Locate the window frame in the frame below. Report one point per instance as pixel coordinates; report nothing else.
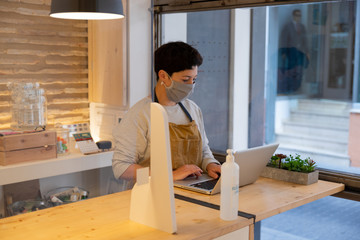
(351, 181)
(171, 6)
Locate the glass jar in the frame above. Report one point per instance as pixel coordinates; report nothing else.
(62, 140)
(29, 106)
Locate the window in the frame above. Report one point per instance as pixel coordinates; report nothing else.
(286, 74)
(301, 91)
(311, 60)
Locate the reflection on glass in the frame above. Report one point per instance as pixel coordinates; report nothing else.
(315, 49)
(293, 54)
(307, 74)
(314, 81)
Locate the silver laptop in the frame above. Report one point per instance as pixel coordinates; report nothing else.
(251, 162)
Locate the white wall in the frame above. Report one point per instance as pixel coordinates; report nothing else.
(241, 19)
(139, 49)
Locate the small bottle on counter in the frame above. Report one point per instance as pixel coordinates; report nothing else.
(84, 195)
(229, 194)
(62, 140)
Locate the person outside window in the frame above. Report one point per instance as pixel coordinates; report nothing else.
(293, 55)
(176, 67)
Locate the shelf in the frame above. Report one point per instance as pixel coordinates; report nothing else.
(75, 162)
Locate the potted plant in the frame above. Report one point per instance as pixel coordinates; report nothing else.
(291, 169)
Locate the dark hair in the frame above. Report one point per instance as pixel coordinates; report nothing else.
(175, 57)
(296, 11)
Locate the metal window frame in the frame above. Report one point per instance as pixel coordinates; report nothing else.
(171, 6)
(351, 181)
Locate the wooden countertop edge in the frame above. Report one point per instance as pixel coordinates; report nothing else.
(298, 203)
(218, 232)
(301, 194)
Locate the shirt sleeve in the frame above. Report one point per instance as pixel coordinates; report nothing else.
(131, 137)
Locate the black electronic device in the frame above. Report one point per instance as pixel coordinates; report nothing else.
(104, 145)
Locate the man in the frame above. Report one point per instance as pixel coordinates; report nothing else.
(293, 54)
(176, 67)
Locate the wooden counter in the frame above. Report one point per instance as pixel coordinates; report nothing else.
(267, 197)
(107, 217)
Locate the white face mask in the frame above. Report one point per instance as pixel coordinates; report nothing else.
(178, 91)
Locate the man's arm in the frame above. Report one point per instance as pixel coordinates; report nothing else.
(130, 172)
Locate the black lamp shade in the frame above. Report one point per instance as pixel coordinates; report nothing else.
(87, 9)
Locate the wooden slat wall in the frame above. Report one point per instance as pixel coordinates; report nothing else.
(37, 48)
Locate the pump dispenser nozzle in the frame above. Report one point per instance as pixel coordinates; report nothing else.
(230, 155)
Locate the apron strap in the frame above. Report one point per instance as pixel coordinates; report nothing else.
(155, 97)
(185, 111)
(180, 104)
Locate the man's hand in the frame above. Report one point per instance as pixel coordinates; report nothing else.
(213, 170)
(186, 170)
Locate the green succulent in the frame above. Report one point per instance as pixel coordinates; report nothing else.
(292, 163)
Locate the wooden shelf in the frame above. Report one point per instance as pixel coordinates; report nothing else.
(75, 162)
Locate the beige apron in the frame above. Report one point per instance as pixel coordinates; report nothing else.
(185, 144)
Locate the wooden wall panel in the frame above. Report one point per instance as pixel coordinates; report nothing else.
(107, 62)
(37, 48)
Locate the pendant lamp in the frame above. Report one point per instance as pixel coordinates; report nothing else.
(87, 9)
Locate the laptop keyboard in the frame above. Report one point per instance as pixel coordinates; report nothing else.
(208, 185)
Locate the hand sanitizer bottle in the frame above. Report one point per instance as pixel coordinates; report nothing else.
(229, 195)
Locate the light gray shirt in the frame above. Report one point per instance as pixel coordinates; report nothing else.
(132, 135)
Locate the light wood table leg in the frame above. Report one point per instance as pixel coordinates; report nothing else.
(251, 232)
